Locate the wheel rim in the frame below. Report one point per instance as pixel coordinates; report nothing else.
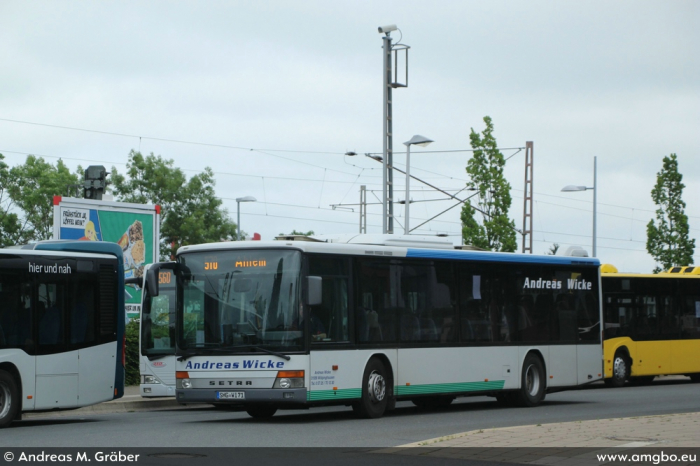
(5, 400)
(532, 380)
(376, 387)
(620, 368)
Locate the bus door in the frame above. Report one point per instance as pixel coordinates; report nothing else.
(328, 328)
(652, 355)
(57, 368)
(683, 328)
(92, 322)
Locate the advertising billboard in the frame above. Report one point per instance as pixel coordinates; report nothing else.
(135, 227)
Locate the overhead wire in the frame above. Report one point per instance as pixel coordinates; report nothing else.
(266, 152)
(326, 169)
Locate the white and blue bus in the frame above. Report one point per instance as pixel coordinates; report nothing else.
(157, 338)
(366, 321)
(61, 326)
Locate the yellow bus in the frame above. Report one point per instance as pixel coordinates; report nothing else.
(652, 324)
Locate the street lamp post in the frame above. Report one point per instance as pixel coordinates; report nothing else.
(238, 208)
(571, 188)
(416, 140)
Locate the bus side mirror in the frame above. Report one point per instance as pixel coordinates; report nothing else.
(314, 291)
(152, 280)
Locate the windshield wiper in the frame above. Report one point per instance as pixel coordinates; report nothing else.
(184, 354)
(154, 357)
(259, 348)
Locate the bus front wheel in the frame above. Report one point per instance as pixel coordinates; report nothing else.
(374, 391)
(621, 370)
(9, 399)
(533, 382)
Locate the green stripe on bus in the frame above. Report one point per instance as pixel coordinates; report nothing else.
(449, 387)
(349, 393)
(325, 395)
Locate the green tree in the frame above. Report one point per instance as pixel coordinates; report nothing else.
(496, 232)
(26, 198)
(553, 249)
(190, 211)
(667, 238)
(298, 233)
(10, 226)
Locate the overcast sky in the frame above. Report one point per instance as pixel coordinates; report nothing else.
(272, 94)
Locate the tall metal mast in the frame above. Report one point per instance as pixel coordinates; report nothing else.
(388, 142)
(527, 207)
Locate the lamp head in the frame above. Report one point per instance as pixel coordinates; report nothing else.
(571, 188)
(418, 140)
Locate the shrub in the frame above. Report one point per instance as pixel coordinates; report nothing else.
(133, 377)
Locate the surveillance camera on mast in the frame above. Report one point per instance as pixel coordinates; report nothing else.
(387, 29)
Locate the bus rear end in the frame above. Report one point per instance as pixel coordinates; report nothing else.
(112, 300)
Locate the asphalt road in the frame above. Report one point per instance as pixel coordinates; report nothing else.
(337, 426)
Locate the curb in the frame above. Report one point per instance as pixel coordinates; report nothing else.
(116, 406)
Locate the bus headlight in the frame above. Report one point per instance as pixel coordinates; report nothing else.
(149, 379)
(285, 383)
(289, 379)
(186, 383)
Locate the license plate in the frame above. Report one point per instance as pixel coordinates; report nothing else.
(230, 395)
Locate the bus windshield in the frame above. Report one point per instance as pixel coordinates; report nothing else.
(240, 301)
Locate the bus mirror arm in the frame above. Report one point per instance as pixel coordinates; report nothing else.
(133, 281)
(314, 291)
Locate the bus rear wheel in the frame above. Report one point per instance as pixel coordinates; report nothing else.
(621, 370)
(532, 383)
(9, 399)
(261, 412)
(375, 392)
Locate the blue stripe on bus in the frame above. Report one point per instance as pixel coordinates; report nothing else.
(499, 257)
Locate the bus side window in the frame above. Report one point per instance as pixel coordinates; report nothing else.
(567, 318)
(49, 324)
(333, 312)
(9, 318)
(372, 322)
(6, 318)
(82, 316)
(690, 322)
(409, 326)
(543, 310)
